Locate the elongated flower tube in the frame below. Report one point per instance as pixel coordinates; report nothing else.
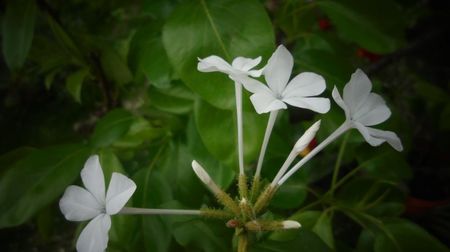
(299, 146)
(221, 196)
(240, 68)
(279, 91)
(362, 109)
(80, 204)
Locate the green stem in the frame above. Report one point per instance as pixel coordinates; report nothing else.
(242, 242)
(338, 162)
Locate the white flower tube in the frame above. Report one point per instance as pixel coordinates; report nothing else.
(299, 146)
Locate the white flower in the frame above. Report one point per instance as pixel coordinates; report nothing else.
(298, 92)
(79, 204)
(239, 67)
(363, 109)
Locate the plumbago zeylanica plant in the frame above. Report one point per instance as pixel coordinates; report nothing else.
(245, 212)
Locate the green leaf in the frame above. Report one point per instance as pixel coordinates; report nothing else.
(153, 190)
(360, 22)
(304, 240)
(385, 163)
(228, 29)
(149, 57)
(11, 157)
(17, 31)
(74, 82)
(315, 221)
(111, 127)
(198, 234)
(335, 69)
(115, 67)
(217, 129)
(220, 173)
(141, 130)
(408, 237)
(43, 176)
(324, 229)
(177, 99)
(291, 194)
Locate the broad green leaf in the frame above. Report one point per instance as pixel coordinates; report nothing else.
(17, 31)
(115, 67)
(230, 28)
(315, 221)
(177, 99)
(324, 229)
(43, 176)
(220, 173)
(303, 240)
(11, 157)
(176, 167)
(150, 59)
(360, 22)
(408, 237)
(384, 163)
(291, 194)
(335, 69)
(153, 190)
(111, 127)
(199, 234)
(217, 129)
(74, 83)
(141, 130)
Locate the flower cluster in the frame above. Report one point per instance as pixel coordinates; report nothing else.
(363, 109)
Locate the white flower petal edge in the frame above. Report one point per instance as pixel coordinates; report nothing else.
(363, 108)
(79, 204)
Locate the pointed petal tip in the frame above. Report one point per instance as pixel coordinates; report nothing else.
(307, 137)
(289, 224)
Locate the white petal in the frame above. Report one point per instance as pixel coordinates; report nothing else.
(245, 64)
(77, 204)
(214, 64)
(289, 224)
(357, 90)
(307, 137)
(338, 99)
(317, 104)
(255, 73)
(278, 69)
(119, 192)
(377, 115)
(389, 136)
(373, 111)
(265, 102)
(94, 237)
(366, 134)
(305, 84)
(201, 173)
(93, 180)
(252, 85)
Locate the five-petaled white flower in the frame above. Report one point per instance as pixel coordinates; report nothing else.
(79, 204)
(364, 108)
(239, 67)
(279, 90)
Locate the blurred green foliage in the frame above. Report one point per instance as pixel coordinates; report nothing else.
(119, 78)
